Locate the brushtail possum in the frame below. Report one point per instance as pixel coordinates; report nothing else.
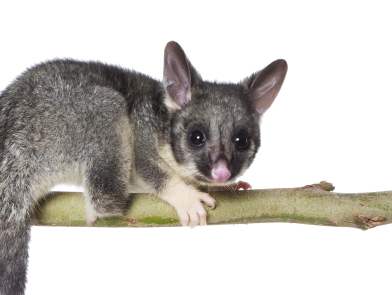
(113, 130)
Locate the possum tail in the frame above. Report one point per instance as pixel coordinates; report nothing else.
(15, 204)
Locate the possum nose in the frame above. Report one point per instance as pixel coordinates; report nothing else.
(220, 172)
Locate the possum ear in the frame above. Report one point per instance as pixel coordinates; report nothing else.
(178, 76)
(264, 86)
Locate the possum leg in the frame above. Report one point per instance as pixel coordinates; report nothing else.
(106, 188)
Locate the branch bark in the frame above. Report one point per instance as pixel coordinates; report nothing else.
(312, 204)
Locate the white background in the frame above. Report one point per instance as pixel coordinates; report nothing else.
(331, 121)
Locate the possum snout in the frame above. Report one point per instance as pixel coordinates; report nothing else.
(220, 172)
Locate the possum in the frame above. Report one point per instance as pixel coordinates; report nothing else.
(112, 131)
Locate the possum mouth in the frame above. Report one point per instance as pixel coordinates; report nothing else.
(204, 180)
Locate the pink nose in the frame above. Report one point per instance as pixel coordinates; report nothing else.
(220, 172)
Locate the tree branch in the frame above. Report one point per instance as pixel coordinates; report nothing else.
(312, 204)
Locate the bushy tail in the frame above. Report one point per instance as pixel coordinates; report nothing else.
(14, 238)
(15, 205)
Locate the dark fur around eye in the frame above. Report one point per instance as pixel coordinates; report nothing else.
(196, 138)
(241, 140)
(197, 135)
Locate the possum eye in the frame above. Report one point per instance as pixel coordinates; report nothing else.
(197, 138)
(241, 140)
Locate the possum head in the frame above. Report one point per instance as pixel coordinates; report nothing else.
(215, 126)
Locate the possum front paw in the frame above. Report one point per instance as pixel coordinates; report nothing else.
(240, 185)
(188, 203)
(190, 209)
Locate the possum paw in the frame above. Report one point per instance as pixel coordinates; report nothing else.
(241, 185)
(188, 203)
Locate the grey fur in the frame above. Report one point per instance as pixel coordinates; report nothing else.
(103, 127)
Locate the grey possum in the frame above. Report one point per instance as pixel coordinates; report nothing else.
(113, 130)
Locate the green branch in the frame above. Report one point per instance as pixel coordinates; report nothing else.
(312, 204)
